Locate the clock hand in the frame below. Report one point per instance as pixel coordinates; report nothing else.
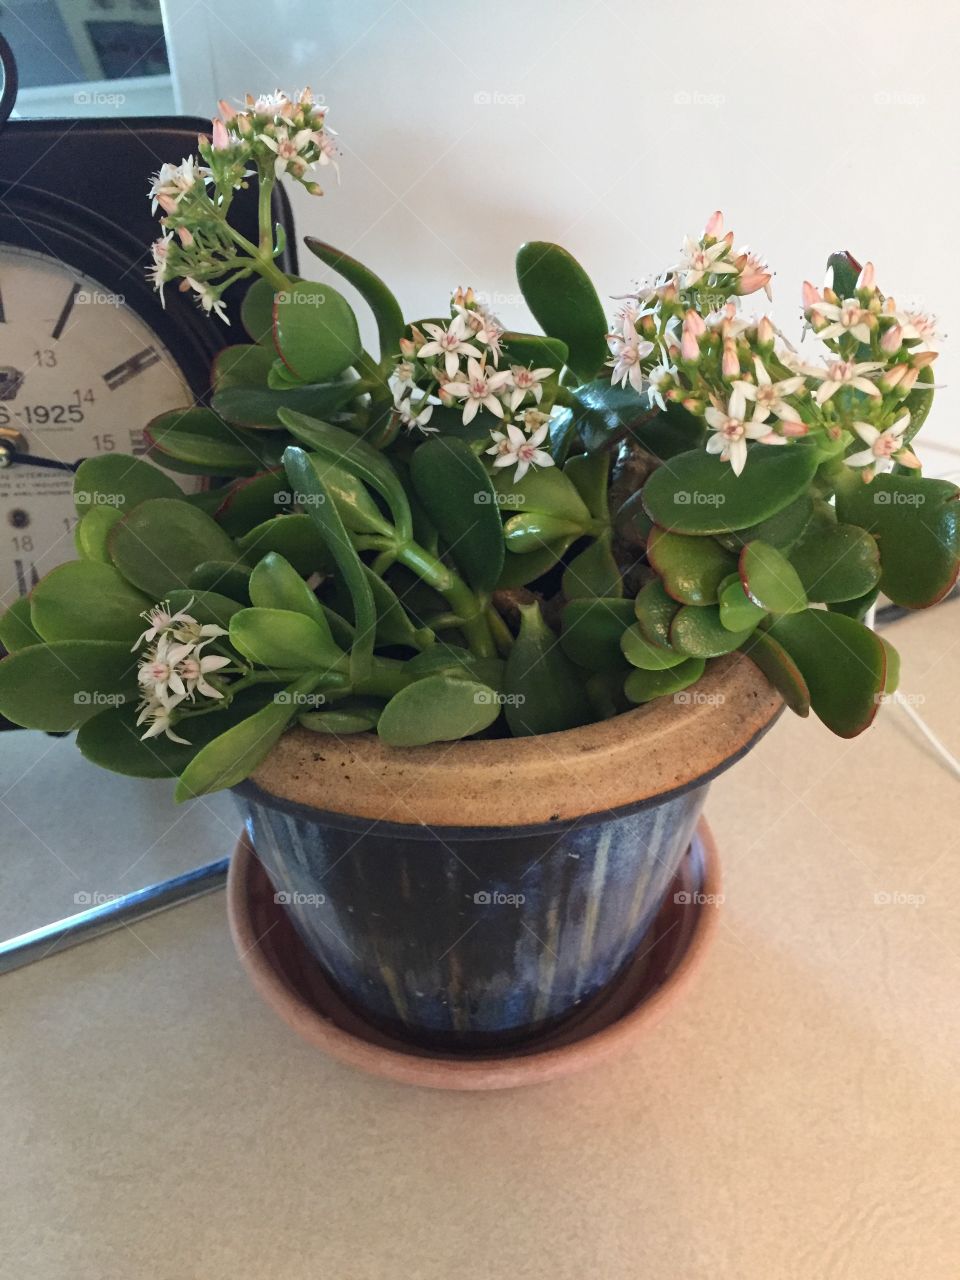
(10, 454)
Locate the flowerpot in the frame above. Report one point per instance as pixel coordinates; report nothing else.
(472, 897)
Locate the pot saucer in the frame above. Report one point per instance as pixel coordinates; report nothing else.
(293, 983)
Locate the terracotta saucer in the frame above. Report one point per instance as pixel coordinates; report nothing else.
(293, 983)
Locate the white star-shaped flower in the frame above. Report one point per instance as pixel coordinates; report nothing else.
(733, 431)
(514, 447)
(450, 343)
(698, 262)
(883, 448)
(845, 373)
(479, 390)
(769, 396)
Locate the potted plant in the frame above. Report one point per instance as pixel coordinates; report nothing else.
(470, 624)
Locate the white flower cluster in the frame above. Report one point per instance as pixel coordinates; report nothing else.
(681, 340)
(173, 668)
(459, 363)
(272, 136)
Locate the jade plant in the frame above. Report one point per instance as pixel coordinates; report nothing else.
(473, 531)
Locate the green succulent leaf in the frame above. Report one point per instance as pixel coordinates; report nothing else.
(546, 491)
(315, 331)
(283, 640)
(349, 453)
(260, 406)
(438, 708)
(353, 715)
(590, 473)
(697, 632)
(244, 366)
(256, 312)
(275, 584)
(594, 572)
(222, 577)
(737, 611)
(843, 663)
(247, 502)
(58, 686)
(112, 484)
(845, 270)
(534, 530)
(200, 438)
(91, 532)
(780, 669)
(233, 756)
(836, 563)
(85, 600)
(205, 606)
(456, 492)
(644, 686)
(533, 349)
(691, 569)
(591, 631)
(323, 512)
(639, 651)
(158, 544)
(521, 568)
(113, 740)
(770, 580)
(385, 307)
(16, 629)
(544, 690)
(294, 537)
(564, 303)
(604, 413)
(782, 530)
(655, 611)
(916, 523)
(699, 494)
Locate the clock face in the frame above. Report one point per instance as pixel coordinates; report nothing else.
(80, 374)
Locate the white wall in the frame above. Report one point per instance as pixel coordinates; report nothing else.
(613, 128)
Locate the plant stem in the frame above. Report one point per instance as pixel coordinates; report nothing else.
(464, 603)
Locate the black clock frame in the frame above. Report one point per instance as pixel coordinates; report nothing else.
(77, 191)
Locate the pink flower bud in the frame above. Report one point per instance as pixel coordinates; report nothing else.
(794, 428)
(689, 347)
(729, 364)
(893, 377)
(892, 340)
(226, 110)
(693, 323)
(866, 278)
(908, 379)
(751, 281)
(186, 237)
(811, 296)
(407, 348)
(221, 139)
(765, 331)
(920, 359)
(714, 228)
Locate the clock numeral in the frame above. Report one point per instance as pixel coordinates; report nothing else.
(130, 368)
(45, 358)
(27, 576)
(105, 443)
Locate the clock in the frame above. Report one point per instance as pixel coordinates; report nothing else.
(88, 355)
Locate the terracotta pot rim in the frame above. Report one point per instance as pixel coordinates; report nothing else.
(608, 768)
(408, 1066)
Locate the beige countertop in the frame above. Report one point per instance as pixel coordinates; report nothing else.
(794, 1118)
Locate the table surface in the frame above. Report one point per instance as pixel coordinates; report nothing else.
(794, 1118)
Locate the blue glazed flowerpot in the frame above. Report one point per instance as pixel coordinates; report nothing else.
(471, 936)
